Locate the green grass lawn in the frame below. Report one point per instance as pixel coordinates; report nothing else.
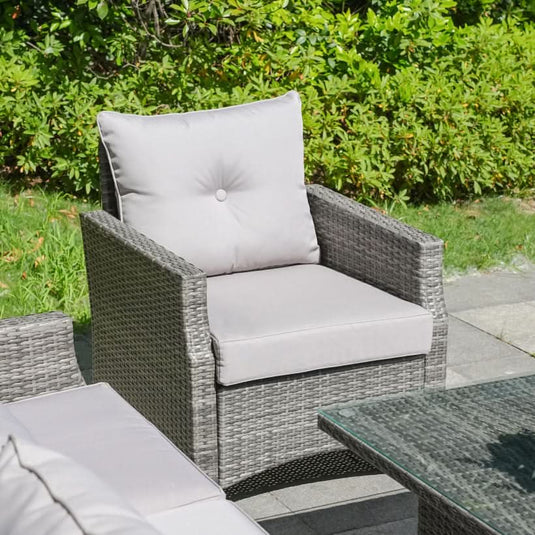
(42, 262)
(41, 258)
(481, 234)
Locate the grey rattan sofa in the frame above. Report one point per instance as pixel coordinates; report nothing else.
(151, 339)
(79, 459)
(37, 356)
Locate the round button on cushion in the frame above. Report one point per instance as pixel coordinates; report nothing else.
(220, 194)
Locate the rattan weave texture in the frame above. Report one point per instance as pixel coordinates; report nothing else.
(150, 333)
(37, 356)
(468, 453)
(151, 337)
(274, 420)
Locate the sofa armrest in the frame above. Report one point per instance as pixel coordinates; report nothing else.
(150, 331)
(37, 356)
(386, 253)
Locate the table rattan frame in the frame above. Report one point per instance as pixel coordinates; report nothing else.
(467, 453)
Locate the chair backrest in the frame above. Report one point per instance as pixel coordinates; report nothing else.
(222, 188)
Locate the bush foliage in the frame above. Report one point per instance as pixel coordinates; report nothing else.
(411, 99)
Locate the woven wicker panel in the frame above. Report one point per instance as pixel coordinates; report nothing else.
(267, 423)
(150, 334)
(37, 356)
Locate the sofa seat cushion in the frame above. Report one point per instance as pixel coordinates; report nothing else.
(10, 425)
(43, 492)
(99, 429)
(301, 318)
(210, 517)
(223, 188)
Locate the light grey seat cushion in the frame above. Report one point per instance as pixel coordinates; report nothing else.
(210, 517)
(300, 318)
(9, 425)
(96, 427)
(43, 492)
(223, 189)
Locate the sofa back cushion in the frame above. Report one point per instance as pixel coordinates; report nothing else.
(223, 188)
(43, 492)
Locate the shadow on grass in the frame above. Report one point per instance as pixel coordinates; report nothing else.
(82, 326)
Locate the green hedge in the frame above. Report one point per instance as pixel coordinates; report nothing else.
(412, 99)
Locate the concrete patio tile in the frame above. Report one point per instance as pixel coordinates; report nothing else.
(324, 493)
(287, 525)
(485, 289)
(454, 379)
(468, 344)
(408, 526)
(495, 369)
(512, 323)
(263, 506)
(361, 514)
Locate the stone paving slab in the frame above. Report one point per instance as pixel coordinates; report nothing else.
(321, 494)
(454, 379)
(491, 370)
(475, 356)
(408, 526)
(468, 344)
(287, 525)
(510, 323)
(394, 514)
(360, 514)
(488, 289)
(264, 506)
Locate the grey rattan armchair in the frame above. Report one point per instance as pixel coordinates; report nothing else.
(151, 338)
(37, 356)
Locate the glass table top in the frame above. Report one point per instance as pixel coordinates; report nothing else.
(475, 445)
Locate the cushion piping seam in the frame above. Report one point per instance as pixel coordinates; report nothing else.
(324, 367)
(214, 337)
(45, 485)
(115, 183)
(244, 104)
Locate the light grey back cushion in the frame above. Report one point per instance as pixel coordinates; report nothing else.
(42, 492)
(223, 188)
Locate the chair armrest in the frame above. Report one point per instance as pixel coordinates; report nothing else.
(151, 338)
(386, 253)
(37, 356)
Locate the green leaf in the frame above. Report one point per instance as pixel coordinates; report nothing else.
(102, 9)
